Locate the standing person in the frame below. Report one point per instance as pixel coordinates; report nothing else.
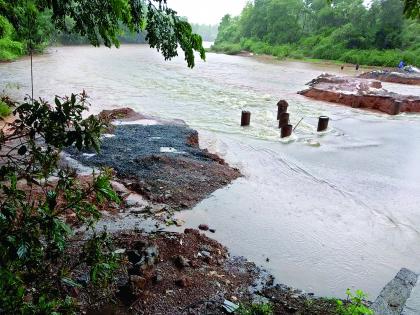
(401, 65)
(357, 67)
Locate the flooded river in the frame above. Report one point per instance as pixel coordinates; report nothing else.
(330, 211)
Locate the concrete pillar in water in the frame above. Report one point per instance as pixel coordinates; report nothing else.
(284, 119)
(245, 118)
(281, 108)
(286, 131)
(323, 123)
(397, 107)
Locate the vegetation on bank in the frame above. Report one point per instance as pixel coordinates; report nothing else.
(10, 48)
(344, 30)
(5, 110)
(38, 194)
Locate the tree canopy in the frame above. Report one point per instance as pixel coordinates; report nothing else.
(100, 21)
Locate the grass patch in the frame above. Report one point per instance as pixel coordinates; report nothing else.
(255, 309)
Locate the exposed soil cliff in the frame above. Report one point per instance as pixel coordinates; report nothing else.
(392, 76)
(360, 93)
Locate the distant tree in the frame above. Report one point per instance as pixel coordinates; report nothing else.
(412, 8)
(207, 31)
(389, 25)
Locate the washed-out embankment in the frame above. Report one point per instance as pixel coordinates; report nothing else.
(161, 161)
(360, 93)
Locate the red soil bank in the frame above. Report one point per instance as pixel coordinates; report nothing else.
(360, 93)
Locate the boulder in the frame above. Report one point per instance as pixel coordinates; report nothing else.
(392, 299)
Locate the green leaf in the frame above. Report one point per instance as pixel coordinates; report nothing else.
(71, 282)
(22, 251)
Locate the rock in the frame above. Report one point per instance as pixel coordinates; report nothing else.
(259, 299)
(205, 254)
(183, 282)
(157, 278)
(212, 230)
(138, 282)
(394, 295)
(181, 261)
(142, 257)
(120, 113)
(119, 188)
(83, 280)
(203, 227)
(206, 247)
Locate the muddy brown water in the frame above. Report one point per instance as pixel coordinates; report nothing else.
(333, 210)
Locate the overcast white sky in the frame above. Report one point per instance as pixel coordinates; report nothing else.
(206, 11)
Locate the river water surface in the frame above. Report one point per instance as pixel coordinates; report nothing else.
(330, 211)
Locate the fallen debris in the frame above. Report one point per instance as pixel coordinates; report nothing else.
(162, 162)
(203, 227)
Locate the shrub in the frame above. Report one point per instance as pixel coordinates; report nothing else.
(9, 49)
(355, 304)
(35, 269)
(255, 309)
(228, 48)
(4, 109)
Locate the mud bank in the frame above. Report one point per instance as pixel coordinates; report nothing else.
(360, 93)
(392, 76)
(158, 159)
(189, 273)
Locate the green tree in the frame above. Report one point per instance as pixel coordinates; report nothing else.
(389, 23)
(37, 271)
(345, 30)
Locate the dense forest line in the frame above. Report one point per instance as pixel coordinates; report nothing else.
(342, 30)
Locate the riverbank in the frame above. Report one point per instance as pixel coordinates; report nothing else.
(295, 202)
(169, 272)
(368, 58)
(360, 93)
(188, 272)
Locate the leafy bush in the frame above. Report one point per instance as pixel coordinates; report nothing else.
(35, 265)
(9, 49)
(4, 109)
(355, 304)
(230, 49)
